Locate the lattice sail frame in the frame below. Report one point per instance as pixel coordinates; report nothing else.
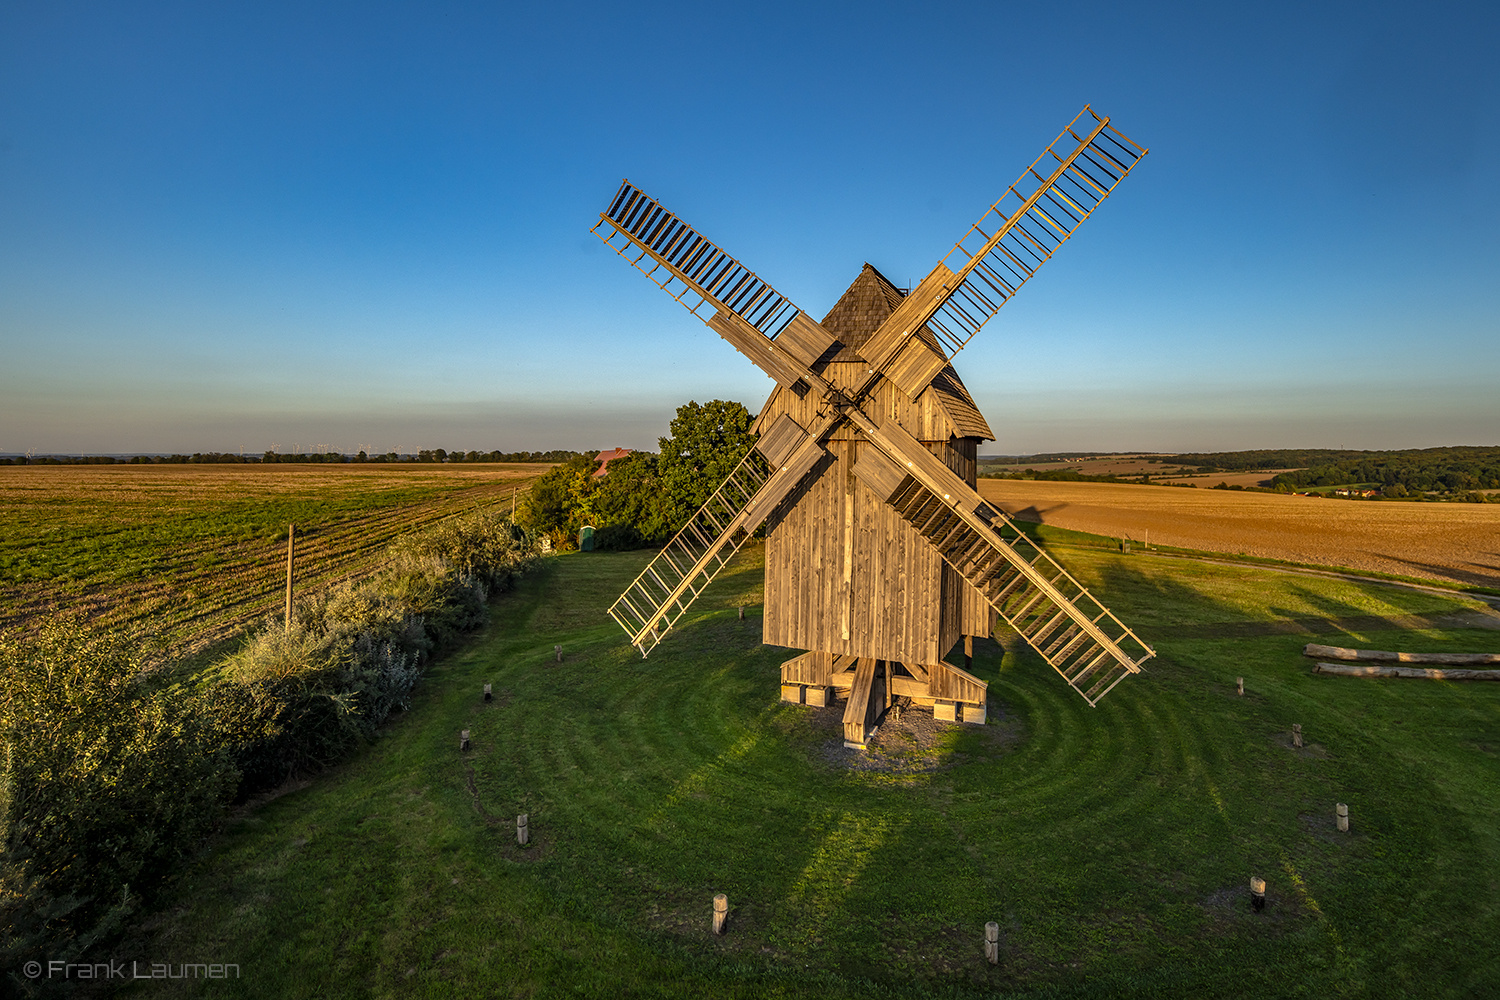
(1030, 221)
(688, 266)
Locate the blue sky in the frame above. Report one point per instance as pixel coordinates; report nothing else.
(229, 226)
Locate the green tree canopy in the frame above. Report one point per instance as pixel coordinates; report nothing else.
(708, 440)
(653, 495)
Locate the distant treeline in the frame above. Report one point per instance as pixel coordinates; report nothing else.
(1442, 469)
(1051, 456)
(1057, 475)
(1397, 473)
(215, 457)
(1252, 461)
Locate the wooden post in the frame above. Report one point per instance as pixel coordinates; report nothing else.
(523, 831)
(1257, 893)
(1241, 681)
(992, 943)
(968, 652)
(721, 912)
(742, 612)
(558, 651)
(1341, 813)
(291, 544)
(463, 740)
(487, 695)
(1296, 734)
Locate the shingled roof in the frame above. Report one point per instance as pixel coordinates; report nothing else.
(856, 316)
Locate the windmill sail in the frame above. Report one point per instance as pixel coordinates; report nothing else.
(758, 320)
(1018, 234)
(1081, 639)
(670, 583)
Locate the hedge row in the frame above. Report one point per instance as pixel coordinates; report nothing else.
(114, 767)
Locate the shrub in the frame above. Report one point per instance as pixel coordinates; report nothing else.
(618, 537)
(296, 699)
(110, 776)
(111, 773)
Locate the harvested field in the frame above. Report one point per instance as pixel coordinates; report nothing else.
(1448, 542)
(197, 552)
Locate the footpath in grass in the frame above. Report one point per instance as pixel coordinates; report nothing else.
(1113, 845)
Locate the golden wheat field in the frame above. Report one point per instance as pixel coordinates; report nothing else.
(1451, 542)
(197, 552)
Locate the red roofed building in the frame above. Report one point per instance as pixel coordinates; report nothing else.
(605, 457)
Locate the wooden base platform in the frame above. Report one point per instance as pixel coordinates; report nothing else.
(814, 678)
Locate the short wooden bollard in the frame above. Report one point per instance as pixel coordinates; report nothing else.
(1296, 734)
(523, 832)
(558, 651)
(1341, 814)
(487, 695)
(1241, 684)
(463, 739)
(721, 912)
(992, 943)
(742, 612)
(1257, 893)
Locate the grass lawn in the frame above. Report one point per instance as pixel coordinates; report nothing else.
(1114, 845)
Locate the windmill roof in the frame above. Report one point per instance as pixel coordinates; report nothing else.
(858, 314)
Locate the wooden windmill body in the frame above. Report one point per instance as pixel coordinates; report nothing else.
(880, 554)
(850, 580)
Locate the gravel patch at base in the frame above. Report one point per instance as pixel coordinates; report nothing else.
(908, 741)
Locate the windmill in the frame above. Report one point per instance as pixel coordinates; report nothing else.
(880, 554)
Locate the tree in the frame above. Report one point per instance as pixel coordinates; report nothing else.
(552, 507)
(708, 440)
(629, 495)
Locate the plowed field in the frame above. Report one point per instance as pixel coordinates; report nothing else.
(197, 552)
(1452, 542)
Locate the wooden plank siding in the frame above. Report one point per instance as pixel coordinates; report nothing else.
(846, 576)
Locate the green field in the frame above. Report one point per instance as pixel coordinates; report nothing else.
(196, 553)
(1112, 845)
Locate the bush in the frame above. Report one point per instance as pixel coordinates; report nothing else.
(653, 494)
(618, 538)
(296, 699)
(110, 777)
(111, 773)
